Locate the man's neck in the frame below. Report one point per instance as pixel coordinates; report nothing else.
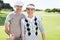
(17, 12)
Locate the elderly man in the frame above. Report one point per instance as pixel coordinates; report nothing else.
(12, 22)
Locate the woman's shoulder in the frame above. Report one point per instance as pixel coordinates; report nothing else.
(22, 20)
(38, 17)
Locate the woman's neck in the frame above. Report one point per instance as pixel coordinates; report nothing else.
(30, 16)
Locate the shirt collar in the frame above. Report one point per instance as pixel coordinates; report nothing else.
(14, 13)
(30, 19)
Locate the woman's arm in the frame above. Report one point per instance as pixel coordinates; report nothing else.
(22, 27)
(41, 29)
(43, 36)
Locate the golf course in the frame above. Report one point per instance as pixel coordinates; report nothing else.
(50, 21)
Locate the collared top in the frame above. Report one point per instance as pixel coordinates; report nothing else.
(29, 29)
(14, 23)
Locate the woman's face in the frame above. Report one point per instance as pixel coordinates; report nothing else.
(30, 11)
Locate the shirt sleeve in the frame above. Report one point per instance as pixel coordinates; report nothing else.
(40, 25)
(7, 21)
(23, 15)
(22, 26)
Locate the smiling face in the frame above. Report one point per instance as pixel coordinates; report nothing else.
(30, 9)
(18, 8)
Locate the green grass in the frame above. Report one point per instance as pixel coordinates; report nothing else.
(52, 27)
(3, 35)
(3, 15)
(51, 23)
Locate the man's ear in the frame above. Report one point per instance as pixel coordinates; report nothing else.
(34, 9)
(14, 6)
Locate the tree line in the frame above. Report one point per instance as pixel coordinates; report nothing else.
(53, 10)
(7, 6)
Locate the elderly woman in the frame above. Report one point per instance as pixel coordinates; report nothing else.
(30, 25)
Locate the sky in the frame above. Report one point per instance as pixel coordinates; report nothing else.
(40, 4)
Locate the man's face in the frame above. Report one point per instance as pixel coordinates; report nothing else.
(18, 8)
(30, 11)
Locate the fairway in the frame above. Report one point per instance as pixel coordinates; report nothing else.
(51, 23)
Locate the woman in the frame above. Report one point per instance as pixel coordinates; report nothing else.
(30, 25)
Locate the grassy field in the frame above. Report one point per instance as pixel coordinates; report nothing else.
(51, 23)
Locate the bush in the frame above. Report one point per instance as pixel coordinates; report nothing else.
(52, 10)
(48, 10)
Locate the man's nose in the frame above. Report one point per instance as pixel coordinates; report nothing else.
(30, 10)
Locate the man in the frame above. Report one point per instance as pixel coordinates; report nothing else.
(12, 22)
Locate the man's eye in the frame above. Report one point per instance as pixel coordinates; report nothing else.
(27, 9)
(32, 9)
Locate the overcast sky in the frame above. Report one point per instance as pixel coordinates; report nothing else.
(40, 4)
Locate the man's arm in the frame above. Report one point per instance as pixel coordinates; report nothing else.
(12, 37)
(6, 29)
(6, 25)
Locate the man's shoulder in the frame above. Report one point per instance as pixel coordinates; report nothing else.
(11, 13)
(23, 15)
(23, 20)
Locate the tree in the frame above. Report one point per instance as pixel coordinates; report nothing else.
(48, 10)
(1, 4)
(55, 10)
(37, 10)
(7, 6)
